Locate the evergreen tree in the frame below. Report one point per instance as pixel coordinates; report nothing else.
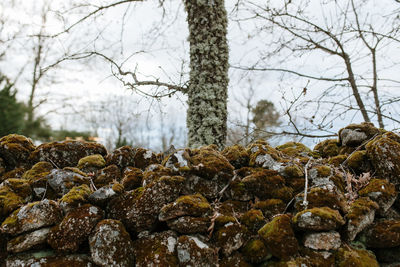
(12, 112)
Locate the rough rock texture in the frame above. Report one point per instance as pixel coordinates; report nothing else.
(202, 207)
(111, 245)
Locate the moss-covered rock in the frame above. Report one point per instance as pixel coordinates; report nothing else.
(322, 240)
(31, 217)
(354, 135)
(107, 175)
(192, 251)
(270, 207)
(267, 184)
(327, 148)
(75, 228)
(255, 251)
(380, 191)
(209, 163)
(132, 178)
(111, 245)
(189, 205)
(2, 167)
(230, 237)
(359, 162)
(47, 258)
(61, 181)
(31, 240)
(15, 173)
(122, 157)
(143, 158)
(253, 219)
(15, 150)
(294, 149)
(38, 171)
(348, 256)
(21, 187)
(234, 260)
(384, 153)
(157, 249)
(361, 214)
(66, 153)
(383, 234)
(208, 188)
(179, 161)
(77, 196)
(154, 172)
(190, 225)
(279, 237)
(91, 163)
(318, 219)
(322, 197)
(265, 156)
(237, 155)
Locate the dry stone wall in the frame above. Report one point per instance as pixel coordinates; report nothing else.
(73, 204)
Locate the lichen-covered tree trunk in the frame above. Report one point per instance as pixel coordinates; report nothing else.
(208, 85)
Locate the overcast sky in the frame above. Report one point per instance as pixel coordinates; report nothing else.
(124, 31)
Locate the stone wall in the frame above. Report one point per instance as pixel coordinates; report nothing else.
(73, 204)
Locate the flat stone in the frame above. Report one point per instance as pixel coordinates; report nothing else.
(27, 241)
(189, 225)
(111, 245)
(192, 251)
(322, 240)
(32, 216)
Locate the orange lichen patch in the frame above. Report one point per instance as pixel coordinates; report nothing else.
(279, 238)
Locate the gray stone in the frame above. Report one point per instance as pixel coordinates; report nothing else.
(322, 240)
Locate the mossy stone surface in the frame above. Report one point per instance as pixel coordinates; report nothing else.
(270, 207)
(255, 251)
(318, 219)
(66, 153)
(358, 161)
(190, 205)
(9, 201)
(354, 135)
(194, 251)
(383, 234)
(122, 157)
(294, 149)
(327, 148)
(78, 195)
(385, 157)
(190, 225)
(107, 175)
(15, 150)
(132, 178)
(91, 162)
(361, 214)
(237, 155)
(382, 192)
(65, 237)
(253, 219)
(279, 238)
(321, 197)
(348, 256)
(38, 171)
(111, 245)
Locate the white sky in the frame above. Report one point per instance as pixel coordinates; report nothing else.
(93, 81)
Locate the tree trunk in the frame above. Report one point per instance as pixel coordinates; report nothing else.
(208, 86)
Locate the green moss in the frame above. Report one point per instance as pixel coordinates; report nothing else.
(337, 160)
(95, 160)
(387, 190)
(9, 201)
(132, 178)
(323, 171)
(327, 148)
(38, 171)
(260, 150)
(293, 171)
(270, 207)
(278, 237)
(117, 187)
(21, 187)
(348, 256)
(294, 149)
(267, 184)
(77, 194)
(255, 251)
(324, 213)
(320, 197)
(253, 219)
(285, 193)
(358, 208)
(237, 155)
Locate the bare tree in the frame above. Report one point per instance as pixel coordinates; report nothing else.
(206, 88)
(352, 41)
